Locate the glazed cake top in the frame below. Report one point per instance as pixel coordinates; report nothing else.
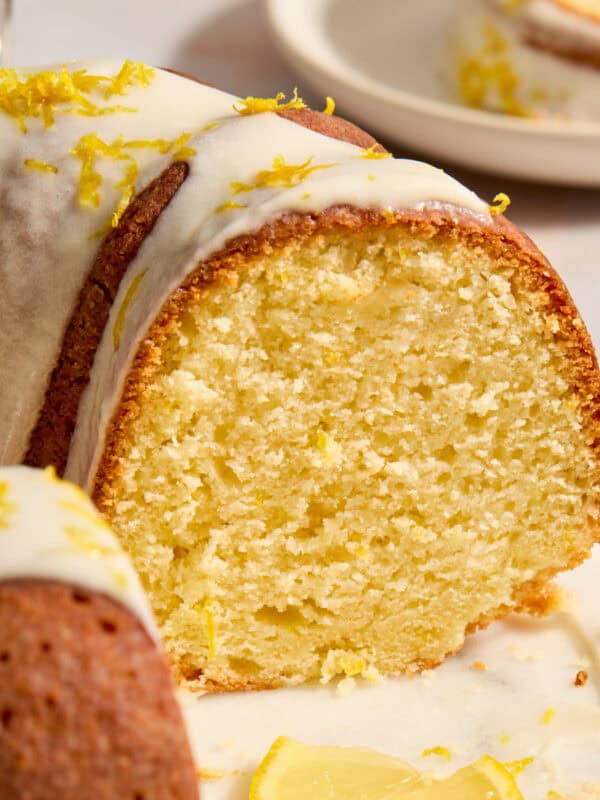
(50, 529)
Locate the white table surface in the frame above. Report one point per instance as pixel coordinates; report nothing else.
(227, 42)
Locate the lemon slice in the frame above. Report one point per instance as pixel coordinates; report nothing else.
(486, 779)
(295, 771)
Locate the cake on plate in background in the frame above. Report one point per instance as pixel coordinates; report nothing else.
(529, 58)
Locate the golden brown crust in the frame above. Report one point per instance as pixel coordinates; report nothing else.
(509, 246)
(86, 702)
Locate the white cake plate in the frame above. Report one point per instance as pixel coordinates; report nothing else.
(382, 61)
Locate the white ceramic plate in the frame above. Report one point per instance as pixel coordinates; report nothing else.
(382, 62)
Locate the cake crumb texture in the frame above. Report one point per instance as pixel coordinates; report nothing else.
(352, 451)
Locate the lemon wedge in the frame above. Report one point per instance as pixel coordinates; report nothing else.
(486, 779)
(295, 771)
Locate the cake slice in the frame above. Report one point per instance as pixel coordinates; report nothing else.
(338, 410)
(529, 58)
(86, 699)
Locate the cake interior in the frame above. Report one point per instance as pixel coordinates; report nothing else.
(363, 448)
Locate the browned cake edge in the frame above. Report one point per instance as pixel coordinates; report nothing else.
(86, 701)
(505, 243)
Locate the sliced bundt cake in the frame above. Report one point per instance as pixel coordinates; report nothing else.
(338, 410)
(86, 702)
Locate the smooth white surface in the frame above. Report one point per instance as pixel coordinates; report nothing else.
(226, 42)
(385, 61)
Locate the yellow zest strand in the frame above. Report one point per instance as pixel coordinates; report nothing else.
(83, 541)
(282, 175)
(329, 106)
(128, 185)
(548, 716)
(437, 751)
(120, 580)
(91, 147)
(502, 202)
(517, 767)
(210, 126)
(372, 153)
(42, 94)
(229, 206)
(127, 300)
(41, 166)
(258, 105)
(131, 74)
(87, 149)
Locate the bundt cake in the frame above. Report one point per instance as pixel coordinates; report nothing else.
(531, 58)
(86, 702)
(338, 410)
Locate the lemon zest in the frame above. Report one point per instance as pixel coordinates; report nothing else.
(517, 767)
(131, 292)
(82, 540)
(90, 147)
(329, 106)
(258, 105)
(210, 126)
(490, 69)
(443, 752)
(548, 716)
(121, 580)
(374, 154)
(281, 175)
(131, 74)
(229, 206)
(41, 166)
(502, 202)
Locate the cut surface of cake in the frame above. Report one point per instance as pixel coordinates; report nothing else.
(529, 58)
(338, 411)
(86, 699)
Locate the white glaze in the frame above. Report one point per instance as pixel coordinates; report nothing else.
(50, 529)
(548, 85)
(46, 253)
